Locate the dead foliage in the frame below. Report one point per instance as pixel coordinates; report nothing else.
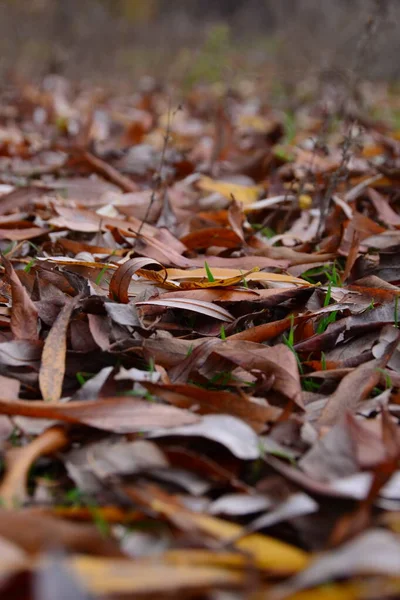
(199, 347)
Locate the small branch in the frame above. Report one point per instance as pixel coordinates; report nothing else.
(335, 178)
(109, 172)
(158, 175)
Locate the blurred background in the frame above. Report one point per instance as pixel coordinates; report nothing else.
(197, 41)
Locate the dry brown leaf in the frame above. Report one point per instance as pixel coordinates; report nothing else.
(23, 313)
(213, 236)
(121, 279)
(18, 235)
(278, 361)
(357, 385)
(36, 533)
(120, 415)
(383, 208)
(52, 369)
(199, 306)
(210, 401)
(19, 461)
(153, 226)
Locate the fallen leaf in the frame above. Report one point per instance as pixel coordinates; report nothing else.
(383, 208)
(227, 274)
(229, 431)
(121, 279)
(278, 361)
(356, 385)
(297, 505)
(210, 401)
(267, 553)
(121, 415)
(205, 308)
(239, 504)
(374, 552)
(36, 533)
(105, 576)
(212, 237)
(13, 486)
(20, 234)
(23, 313)
(52, 369)
(241, 193)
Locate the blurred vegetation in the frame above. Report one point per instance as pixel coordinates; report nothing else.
(196, 40)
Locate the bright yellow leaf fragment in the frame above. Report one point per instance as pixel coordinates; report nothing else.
(267, 553)
(255, 122)
(222, 274)
(334, 591)
(197, 278)
(119, 576)
(246, 194)
(305, 201)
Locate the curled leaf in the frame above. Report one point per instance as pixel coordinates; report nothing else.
(121, 278)
(13, 486)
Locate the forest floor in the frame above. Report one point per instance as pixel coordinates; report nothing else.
(199, 343)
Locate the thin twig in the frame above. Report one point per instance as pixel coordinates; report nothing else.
(158, 174)
(110, 172)
(360, 58)
(338, 175)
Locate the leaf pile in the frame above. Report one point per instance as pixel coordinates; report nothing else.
(199, 347)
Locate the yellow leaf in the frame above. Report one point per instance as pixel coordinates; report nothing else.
(188, 279)
(267, 553)
(349, 590)
(241, 193)
(223, 274)
(305, 201)
(255, 122)
(120, 576)
(190, 556)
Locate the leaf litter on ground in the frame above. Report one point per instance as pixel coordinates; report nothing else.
(200, 364)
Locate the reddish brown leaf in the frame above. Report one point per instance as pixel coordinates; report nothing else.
(120, 415)
(23, 312)
(110, 172)
(265, 332)
(278, 361)
(352, 256)
(18, 235)
(357, 385)
(213, 236)
(209, 402)
(36, 533)
(20, 460)
(121, 278)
